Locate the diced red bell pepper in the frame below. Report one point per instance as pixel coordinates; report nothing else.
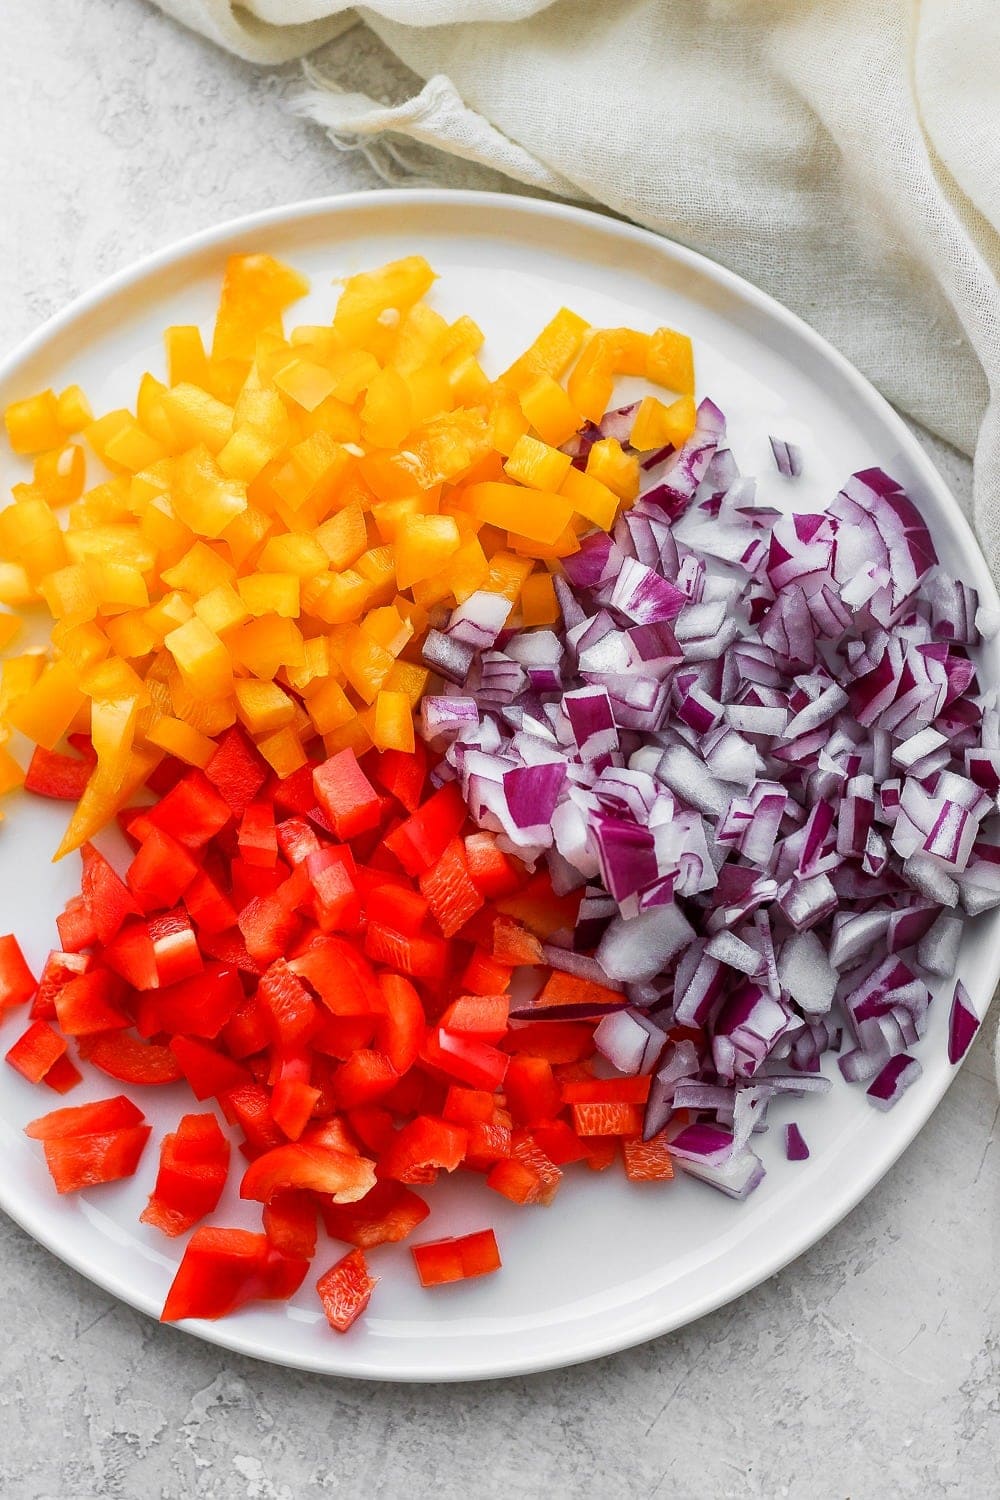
(229, 948)
(424, 1144)
(257, 837)
(269, 927)
(236, 771)
(575, 998)
(489, 1142)
(248, 1029)
(133, 957)
(532, 1092)
(601, 1151)
(346, 796)
(109, 900)
(102, 1117)
(75, 925)
(466, 1058)
(294, 794)
(538, 908)
(514, 945)
(34, 1053)
(468, 1255)
(366, 1075)
(556, 1041)
(339, 1036)
(165, 776)
(373, 1127)
(335, 897)
(249, 1107)
(293, 1015)
(296, 839)
(484, 1016)
(449, 890)
(59, 969)
(209, 1072)
(345, 1290)
(199, 1006)
(322, 1169)
(126, 1058)
(175, 947)
(83, 1161)
(208, 906)
(63, 1075)
(468, 1106)
(559, 1142)
(341, 976)
(90, 1003)
(290, 1223)
(402, 774)
(254, 882)
(294, 1098)
(633, 1090)
(401, 1025)
(62, 777)
(422, 838)
(606, 1119)
(398, 907)
(421, 957)
(194, 1163)
(528, 1176)
(17, 983)
(223, 1269)
(193, 812)
(385, 1215)
(647, 1161)
(492, 872)
(161, 871)
(483, 975)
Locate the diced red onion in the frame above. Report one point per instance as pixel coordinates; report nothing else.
(795, 1145)
(963, 1023)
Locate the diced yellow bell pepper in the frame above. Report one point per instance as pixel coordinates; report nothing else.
(32, 535)
(15, 586)
(203, 497)
(107, 790)
(294, 552)
(430, 393)
(387, 413)
(210, 716)
(130, 447)
(256, 290)
(305, 382)
(246, 453)
(315, 668)
(33, 424)
(270, 594)
(608, 463)
(377, 567)
(407, 678)
(70, 594)
(263, 646)
(180, 740)
(534, 514)
(245, 533)
(11, 774)
(413, 339)
(167, 613)
(283, 752)
(609, 352)
(17, 676)
(330, 708)
(657, 425)
(202, 660)
(366, 665)
(262, 707)
(122, 544)
(9, 627)
(368, 298)
(197, 417)
(48, 708)
(423, 546)
(73, 409)
(81, 645)
(111, 679)
(187, 363)
(312, 471)
(539, 605)
(343, 537)
(670, 361)
(552, 352)
(393, 722)
(221, 609)
(389, 628)
(536, 464)
(61, 474)
(590, 498)
(507, 574)
(351, 736)
(199, 571)
(117, 586)
(336, 598)
(549, 411)
(130, 635)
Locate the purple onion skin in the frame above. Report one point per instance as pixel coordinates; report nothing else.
(795, 1145)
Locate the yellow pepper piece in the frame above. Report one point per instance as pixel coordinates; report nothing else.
(533, 514)
(271, 594)
(48, 708)
(330, 708)
(186, 360)
(656, 425)
(407, 678)
(590, 498)
(293, 553)
(536, 464)
(507, 574)
(609, 352)
(198, 417)
(265, 645)
(608, 463)
(199, 571)
(393, 722)
(548, 409)
(61, 474)
(256, 290)
(552, 352)
(283, 752)
(670, 361)
(203, 497)
(423, 546)
(262, 707)
(15, 586)
(9, 627)
(33, 424)
(202, 660)
(387, 414)
(539, 605)
(73, 409)
(305, 382)
(369, 299)
(179, 739)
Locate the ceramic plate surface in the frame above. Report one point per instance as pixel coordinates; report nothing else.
(610, 1264)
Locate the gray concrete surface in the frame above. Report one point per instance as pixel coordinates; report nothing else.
(869, 1369)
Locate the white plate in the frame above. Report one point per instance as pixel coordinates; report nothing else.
(610, 1264)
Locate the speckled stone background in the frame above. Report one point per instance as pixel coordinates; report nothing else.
(870, 1369)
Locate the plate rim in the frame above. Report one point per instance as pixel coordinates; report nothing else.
(225, 1334)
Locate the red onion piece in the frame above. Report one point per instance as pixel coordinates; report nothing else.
(963, 1023)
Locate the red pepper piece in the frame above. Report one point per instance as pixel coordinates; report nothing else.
(384, 1216)
(249, 1107)
(606, 1091)
(257, 837)
(268, 927)
(345, 1290)
(75, 924)
(129, 1060)
(322, 1169)
(223, 1269)
(601, 1151)
(161, 871)
(34, 1053)
(483, 975)
(102, 1117)
(559, 1143)
(335, 897)
(373, 1127)
(346, 796)
(468, 1106)
(193, 812)
(568, 995)
(421, 957)
(401, 1026)
(532, 1092)
(229, 948)
(236, 771)
(17, 983)
(83, 1161)
(647, 1161)
(466, 1058)
(449, 889)
(63, 1075)
(293, 1014)
(294, 794)
(468, 1255)
(296, 839)
(208, 906)
(366, 1075)
(422, 838)
(402, 774)
(108, 898)
(394, 905)
(606, 1119)
(209, 1073)
(489, 1142)
(293, 1098)
(59, 969)
(194, 1163)
(339, 1036)
(538, 908)
(61, 777)
(425, 1144)
(514, 945)
(290, 1223)
(133, 957)
(557, 1041)
(90, 1003)
(175, 947)
(198, 1006)
(248, 1029)
(492, 872)
(485, 1016)
(341, 976)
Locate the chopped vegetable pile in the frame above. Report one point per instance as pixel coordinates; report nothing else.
(701, 788)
